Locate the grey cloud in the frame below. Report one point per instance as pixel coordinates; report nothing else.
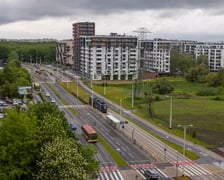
(36, 9)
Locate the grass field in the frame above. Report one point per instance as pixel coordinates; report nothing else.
(206, 114)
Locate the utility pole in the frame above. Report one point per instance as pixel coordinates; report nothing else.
(142, 36)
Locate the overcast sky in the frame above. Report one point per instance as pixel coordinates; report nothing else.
(201, 20)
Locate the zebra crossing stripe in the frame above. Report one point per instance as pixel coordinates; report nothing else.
(119, 174)
(115, 175)
(187, 171)
(143, 177)
(105, 175)
(162, 173)
(203, 170)
(195, 170)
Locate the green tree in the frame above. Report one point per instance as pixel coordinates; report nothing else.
(61, 160)
(186, 62)
(220, 77)
(212, 79)
(18, 146)
(162, 86)
(175, 57)
(49, 129)
(4, 52)
(202, 59)
(198, 73)
(12, 77)
(91, 165)
(149, 101)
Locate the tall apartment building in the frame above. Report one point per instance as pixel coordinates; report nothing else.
(155, 55)
(214, 52)
(64, 53)
(80, 29)
(114, 57)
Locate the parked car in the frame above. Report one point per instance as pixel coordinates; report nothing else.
(3, 103)
(1, 115)
(15, 102)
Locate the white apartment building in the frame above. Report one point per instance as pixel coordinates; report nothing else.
(112, 57)
(155, 55)
(64, 53)
(214, 52)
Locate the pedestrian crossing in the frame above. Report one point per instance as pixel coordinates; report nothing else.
(140, 168)
(187, 168)
(109, 173)
(190, 168)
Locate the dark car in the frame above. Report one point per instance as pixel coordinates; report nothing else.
(73, 126)
(151, 174)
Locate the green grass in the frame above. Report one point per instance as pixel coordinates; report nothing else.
(204, 113)
(72, 88)
(116, 157)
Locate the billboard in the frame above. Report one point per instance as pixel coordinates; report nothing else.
(24, 90)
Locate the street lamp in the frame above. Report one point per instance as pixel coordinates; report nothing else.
(171, 111)
(77, 87)
(120, 107)
(121, 101)
(104, 83)
(184, 145)
(132, 99)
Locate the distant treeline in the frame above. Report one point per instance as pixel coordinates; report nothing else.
(34, 52)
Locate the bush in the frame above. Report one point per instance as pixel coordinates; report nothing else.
(157, 98)
(162, 86)
(207, 92)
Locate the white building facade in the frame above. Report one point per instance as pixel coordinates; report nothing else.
(64, 53)
(155, 55)
(112, 57)
(214, 52)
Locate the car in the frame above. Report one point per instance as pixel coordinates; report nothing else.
(47, 94)
(53, 101)
(3, 103)
(151, 174)
(15, 102)
(1, 115)
(73, 126)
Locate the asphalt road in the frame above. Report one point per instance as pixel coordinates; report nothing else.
(147, 150)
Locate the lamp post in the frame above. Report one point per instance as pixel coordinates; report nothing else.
(77, 87)
(105, 90)
(171, 109)
(92, 92)
(184, 144)
(177, 164)
(120, 107)
(132, 99)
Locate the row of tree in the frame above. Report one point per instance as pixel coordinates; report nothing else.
(195, 70)
(38, 144)
(32, 52)
(11, 77)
